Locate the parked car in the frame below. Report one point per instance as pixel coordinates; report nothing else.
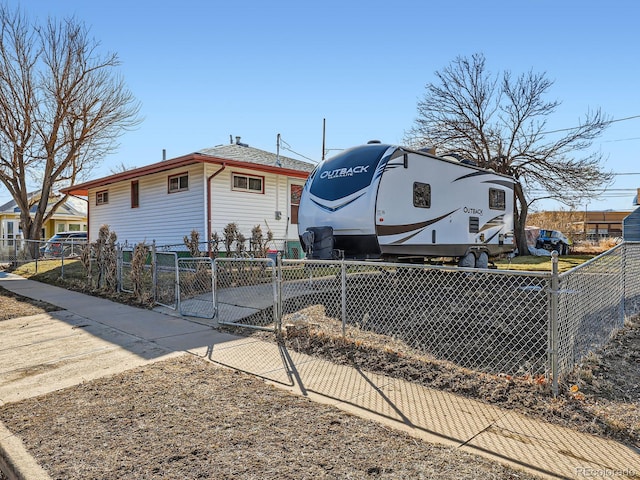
(554, 240)
(64, 243)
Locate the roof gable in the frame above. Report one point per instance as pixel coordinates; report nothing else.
(72, 206)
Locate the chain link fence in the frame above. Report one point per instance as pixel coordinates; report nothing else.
(494, 321)
(18, 251)
(165, 278)
(195, 287)
(247, 249)
(590, 306)
(631, 271)
(246, 293)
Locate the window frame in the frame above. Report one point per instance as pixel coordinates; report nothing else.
(428, 191)
(102, 197)
(135, 194)
(249, 177)
(502, 201)
(178, 176)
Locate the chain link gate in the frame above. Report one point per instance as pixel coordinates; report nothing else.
(246, 293)
(195, 287)
(165, 279)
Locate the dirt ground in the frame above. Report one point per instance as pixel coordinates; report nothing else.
(601, 396)
(187, 418)
(13, 305)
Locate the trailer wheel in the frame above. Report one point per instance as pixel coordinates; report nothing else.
(468, 261)
(483, 260)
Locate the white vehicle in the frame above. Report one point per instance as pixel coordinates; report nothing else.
(384, 201)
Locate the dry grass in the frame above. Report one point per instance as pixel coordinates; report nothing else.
(187, 418)
(594, 248)
(601, 396)
(13, 305)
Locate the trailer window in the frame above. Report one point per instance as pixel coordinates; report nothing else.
(348, 172)
(421, 195)
(497, 199)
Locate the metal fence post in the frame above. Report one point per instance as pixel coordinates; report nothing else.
(553, 323)
(119, 260)
(178, 293)
(278, 318)
(623, 279)
(62, 262)
(343, 282)
(176, 283)
(154, 272)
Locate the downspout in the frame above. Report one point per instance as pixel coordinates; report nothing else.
(209, 232)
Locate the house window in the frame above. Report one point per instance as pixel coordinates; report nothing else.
(497, 199)
(178, 183)
(74, 227)
(10, 233)
(421, 195)
(296, 192)
(102, 197)
(248, 183)
(135, 194)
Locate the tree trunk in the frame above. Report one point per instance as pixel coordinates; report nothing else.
(520, 220)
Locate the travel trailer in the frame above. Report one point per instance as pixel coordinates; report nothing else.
(389, 202)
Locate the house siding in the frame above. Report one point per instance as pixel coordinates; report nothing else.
(248, 209)
(161, 216)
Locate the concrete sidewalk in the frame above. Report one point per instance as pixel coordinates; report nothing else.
(94, 337)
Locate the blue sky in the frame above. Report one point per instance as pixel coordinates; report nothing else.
(205, 70)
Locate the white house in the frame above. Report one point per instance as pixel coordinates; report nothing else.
(202, 191)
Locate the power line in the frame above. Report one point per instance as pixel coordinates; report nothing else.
(607, 123)
(621, 140)
(288, 148)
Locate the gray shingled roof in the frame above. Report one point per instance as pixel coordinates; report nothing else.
(244, 153)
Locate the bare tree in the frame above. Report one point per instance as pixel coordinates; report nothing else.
(62, 108)
(120, 168)
(500, 122)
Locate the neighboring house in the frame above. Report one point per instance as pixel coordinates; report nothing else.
(202, 191)
(601, 224)
(631, 224)
(70, 216)
(592, 225)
